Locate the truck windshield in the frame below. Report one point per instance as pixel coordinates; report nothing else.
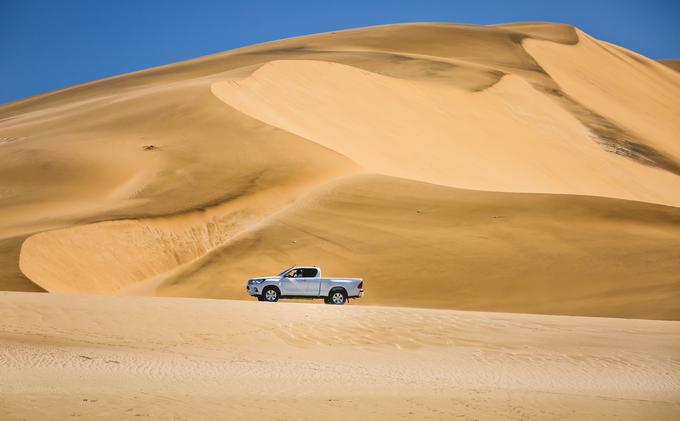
(286, 271)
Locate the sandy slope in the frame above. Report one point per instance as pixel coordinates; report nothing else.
(68, 356)
(476, 250)
(648, 108)
(188, 178)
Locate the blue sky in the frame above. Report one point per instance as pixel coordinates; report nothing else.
(46, 45)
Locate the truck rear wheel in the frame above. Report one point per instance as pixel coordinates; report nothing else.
(337, 297)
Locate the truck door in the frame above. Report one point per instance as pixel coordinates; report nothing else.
(293, 283)
(312, 281)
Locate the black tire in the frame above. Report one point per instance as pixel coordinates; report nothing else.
(336, 297)
(260, 297)
(270, 294)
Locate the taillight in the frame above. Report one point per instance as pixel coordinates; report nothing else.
(361, 285)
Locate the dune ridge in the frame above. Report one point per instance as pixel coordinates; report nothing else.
(672, 63)
(186, 179)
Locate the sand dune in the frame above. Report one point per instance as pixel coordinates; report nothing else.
(68, 356)
(524, 167)
(509, 137)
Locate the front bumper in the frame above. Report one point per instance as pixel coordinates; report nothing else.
(253, 290)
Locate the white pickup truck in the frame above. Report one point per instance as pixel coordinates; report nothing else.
(305, 282)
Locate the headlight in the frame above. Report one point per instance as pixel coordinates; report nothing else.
(257, 281)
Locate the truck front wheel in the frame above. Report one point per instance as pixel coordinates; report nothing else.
(270, 294)
(337, 297)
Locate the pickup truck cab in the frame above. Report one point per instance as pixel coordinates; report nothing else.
(305, 282)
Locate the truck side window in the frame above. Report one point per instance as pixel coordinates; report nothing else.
(309, 272)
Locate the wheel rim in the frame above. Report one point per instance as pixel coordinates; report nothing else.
(270, 295)
(338, 298)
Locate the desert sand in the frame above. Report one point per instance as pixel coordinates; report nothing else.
(118, 358)
(497, 187)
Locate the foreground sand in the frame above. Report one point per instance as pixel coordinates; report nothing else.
(74, 356)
